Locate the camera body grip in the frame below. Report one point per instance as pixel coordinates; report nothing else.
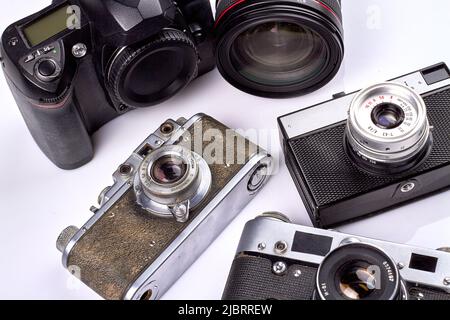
(58, 129)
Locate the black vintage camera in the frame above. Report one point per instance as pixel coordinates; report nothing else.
(391, 147)
(279, 48)
(301, 263)
(78, 64)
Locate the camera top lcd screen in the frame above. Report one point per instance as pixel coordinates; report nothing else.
(48, 26)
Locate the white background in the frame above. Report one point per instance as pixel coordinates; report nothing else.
(384, 39)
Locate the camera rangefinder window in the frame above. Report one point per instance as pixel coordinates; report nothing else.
(47, 26)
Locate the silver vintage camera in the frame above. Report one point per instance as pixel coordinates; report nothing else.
(368, 151)
(302, 263)
(170, 200)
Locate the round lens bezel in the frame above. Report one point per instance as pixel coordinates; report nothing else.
(326, 285)
(232, 27)
(385, 151)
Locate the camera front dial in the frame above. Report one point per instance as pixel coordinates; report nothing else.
(388, 131)
(151, 72)
(359, 271)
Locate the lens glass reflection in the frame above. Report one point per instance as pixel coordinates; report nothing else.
(169, 170)
(388, 116)
(357, 280)
(279, 53)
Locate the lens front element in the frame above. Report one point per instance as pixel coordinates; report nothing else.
(357, 280)
(388, 116)
(169, 169)
(278, 53)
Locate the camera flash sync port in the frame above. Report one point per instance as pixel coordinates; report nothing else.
(281, 247)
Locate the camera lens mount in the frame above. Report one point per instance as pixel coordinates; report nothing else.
(359, 271)
(149, 73)
(171, 181)
(279, 49)
(388, 131)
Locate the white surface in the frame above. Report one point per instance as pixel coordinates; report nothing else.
(384, 39)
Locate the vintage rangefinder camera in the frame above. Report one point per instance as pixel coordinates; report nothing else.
(368, 151)
(302, 263)
(77, 64)
(170, 200)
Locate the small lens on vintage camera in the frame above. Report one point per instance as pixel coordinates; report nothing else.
(358, 271)
(169, 169)
(279, 49)
(388, 131)
(171, 181)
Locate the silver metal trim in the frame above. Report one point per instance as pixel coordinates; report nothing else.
(208, 224)
(335, 111)
(261, 230)
(388, 145)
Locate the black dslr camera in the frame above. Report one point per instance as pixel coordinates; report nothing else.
(78, 64)
(368, 151)
(301, 263)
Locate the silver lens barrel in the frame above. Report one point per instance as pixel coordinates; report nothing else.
(170, 176)
(388, 124)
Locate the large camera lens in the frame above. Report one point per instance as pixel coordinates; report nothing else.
(276, 50)
(388, 130)
(358, 272)
(169, 169)
(153, 71)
